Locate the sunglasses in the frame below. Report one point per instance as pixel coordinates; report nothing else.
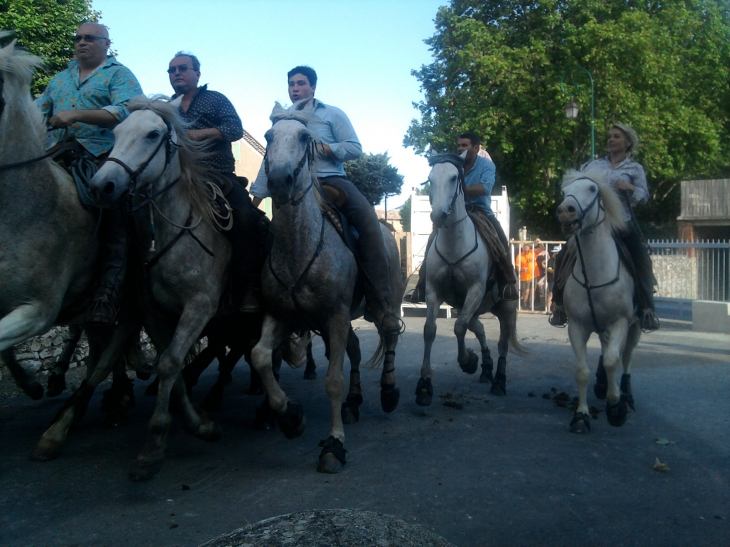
(87, 38)
(182, 69)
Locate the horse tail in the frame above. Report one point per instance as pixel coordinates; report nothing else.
(378, 357)
(514, 341)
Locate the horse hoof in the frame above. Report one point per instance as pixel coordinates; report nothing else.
(486, 376)
(310, 374)
(332, 458)
(209, 431)
(350, 414)
(144, 471)
(389, 397)
(329, 464)
(499, 385)
(293, 422)
(56, 385)
(472, 363)
(424, 392)
(34, 390)
(616, 414)
(46, 451)
(581, 423)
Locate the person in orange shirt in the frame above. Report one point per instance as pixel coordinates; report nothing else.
(525, 264)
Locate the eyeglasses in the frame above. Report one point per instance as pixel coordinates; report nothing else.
(182, 69)
(87, 38)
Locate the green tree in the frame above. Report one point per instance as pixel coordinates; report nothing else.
(405, 215)
(661, 67)
(46, 28)
(374, 177)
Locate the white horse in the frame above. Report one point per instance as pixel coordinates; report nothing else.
(310, 282)
(458, 269)
(599, 294)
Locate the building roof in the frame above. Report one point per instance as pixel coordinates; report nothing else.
(256, 145)
(392, 214)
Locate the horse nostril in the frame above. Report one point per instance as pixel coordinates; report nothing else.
(571, 209)
(109, 188)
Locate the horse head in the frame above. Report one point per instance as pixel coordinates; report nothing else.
(145, 144)
(446, 180)
(589, 202)
(289, 149)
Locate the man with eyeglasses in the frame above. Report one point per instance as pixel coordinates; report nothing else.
(212, 117)
(88, 99)
(337, 142)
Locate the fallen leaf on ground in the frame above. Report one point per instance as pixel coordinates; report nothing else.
(659, 466)
(664, 441)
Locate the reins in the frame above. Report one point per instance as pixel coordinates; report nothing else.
(306, 157)
(452, 265)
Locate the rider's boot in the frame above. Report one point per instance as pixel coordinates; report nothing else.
(247, 234)
(104, 307)
(645, 284)
(506, 280)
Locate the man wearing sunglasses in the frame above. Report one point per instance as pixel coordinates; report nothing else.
(212, 117)
(88, 99)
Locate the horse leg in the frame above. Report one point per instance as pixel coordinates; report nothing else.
(226, 363)
(475, 326)
(578, 339)
(507, 327)
(332, 457)
(265, 416)
(616, 407)
(24, 379)
(351, 406)
(195, 316)
(290, 413)
(57, 378)
(310, 372)
(119, 398)
(632, 340)
(424, 388)
(468, 360)
(75, 406)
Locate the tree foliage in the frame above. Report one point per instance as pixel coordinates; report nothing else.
(374, 177)
(661, 67)
(46, 28)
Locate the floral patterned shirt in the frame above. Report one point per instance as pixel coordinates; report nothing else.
(109, 87)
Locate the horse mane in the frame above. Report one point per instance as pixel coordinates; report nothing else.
(612, 204)
(17, 62)
(191, 153)
(448, 157)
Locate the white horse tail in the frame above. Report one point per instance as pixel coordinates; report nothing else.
(378, 357)
(514, 341)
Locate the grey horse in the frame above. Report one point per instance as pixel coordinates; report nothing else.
(310, 282)
(458, 269)
(48, 248)
(183, 255)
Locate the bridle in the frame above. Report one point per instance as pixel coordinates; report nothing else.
(171, 146)
(584, 212)
(307, 158)
(457, 162)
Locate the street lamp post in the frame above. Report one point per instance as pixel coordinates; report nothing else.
(571, 109)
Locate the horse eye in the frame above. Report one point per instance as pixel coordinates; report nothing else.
(593, 188)
(152, 135)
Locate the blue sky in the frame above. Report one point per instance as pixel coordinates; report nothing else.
(363, 52)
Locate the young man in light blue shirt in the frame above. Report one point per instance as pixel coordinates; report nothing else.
(337, 142)
(479, 174)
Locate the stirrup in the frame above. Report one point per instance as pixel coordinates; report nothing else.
(101, 311)
(649, 321)
(558, 318)
(509, 292)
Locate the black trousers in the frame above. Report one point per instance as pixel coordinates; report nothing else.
(373, 259)
(114, 249)
(247, 234)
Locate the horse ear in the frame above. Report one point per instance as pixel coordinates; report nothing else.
(11, 46)
(463, 155)
(173, 136)
(433, 153)
(177, 101)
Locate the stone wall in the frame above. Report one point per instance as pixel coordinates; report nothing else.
(39, 354)
(676, 276)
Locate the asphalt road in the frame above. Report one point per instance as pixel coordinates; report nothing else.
(499, 471)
